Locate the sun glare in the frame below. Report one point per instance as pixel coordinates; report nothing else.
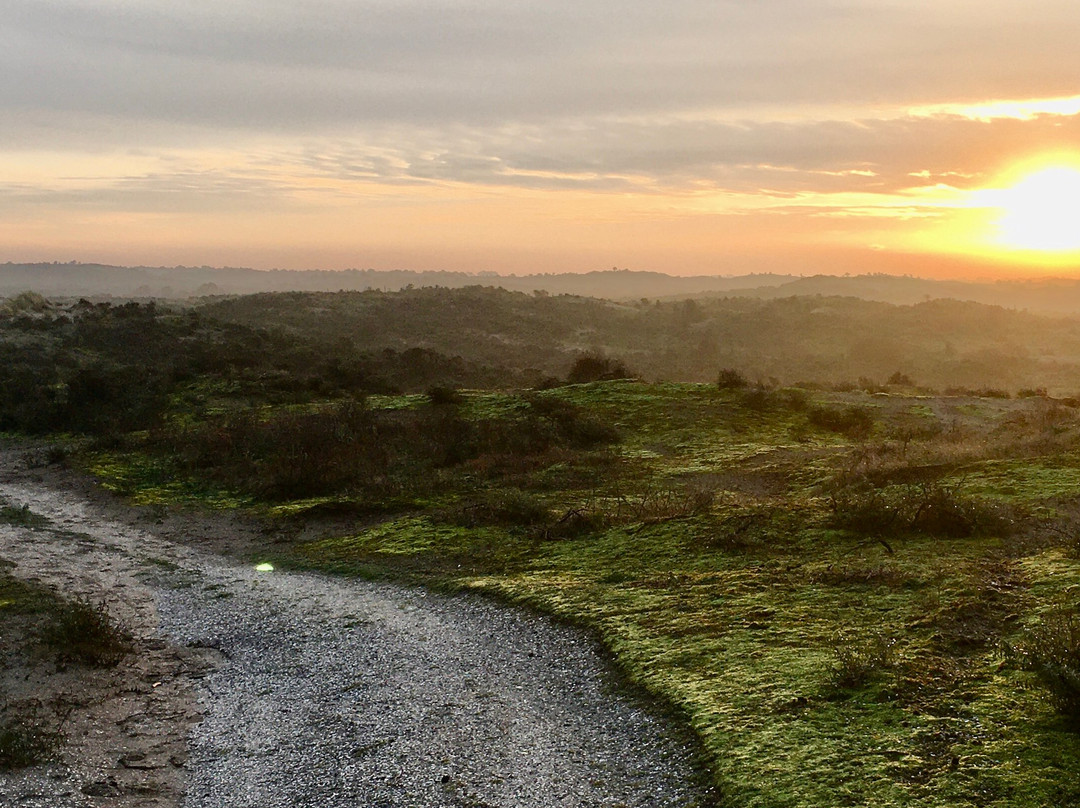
(1040, 211)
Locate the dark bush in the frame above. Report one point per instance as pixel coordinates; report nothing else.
(572, 426)
(793, 398)
(930, 508)
(346, 449)
(507, 507)
(594, 367)
(444, 396)
(758, 398)
(730, 379)
(25, 741)
(852, 421)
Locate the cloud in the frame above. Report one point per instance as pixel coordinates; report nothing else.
(293, 67)
(222, 105)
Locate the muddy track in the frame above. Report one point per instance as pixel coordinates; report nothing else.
(266, 689)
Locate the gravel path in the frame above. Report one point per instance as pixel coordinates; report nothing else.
(322, 692)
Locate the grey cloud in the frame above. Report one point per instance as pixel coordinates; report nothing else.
(778, 159)
(879, 156)
(184, 191)
(331, 63)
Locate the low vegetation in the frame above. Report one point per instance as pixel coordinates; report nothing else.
(83, 632)
(39, 624)
(25, 741)
(855, 597)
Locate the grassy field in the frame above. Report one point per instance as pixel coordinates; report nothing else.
(853, 599)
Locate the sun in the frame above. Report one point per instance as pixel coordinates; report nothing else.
(1040, 211)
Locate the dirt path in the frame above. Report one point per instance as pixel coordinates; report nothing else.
(265, 689)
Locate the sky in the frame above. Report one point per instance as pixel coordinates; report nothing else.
(927, 137)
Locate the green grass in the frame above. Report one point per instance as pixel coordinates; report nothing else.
(818, 666)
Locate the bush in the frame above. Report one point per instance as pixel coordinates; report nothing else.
(659, 503)
(1052, 651)
(83, 632)
(731, 379)
(594, 367)
(758, 398)
(852, 421)
(860, 662)
(510, 507)
(930, 508)
(22, 516)
(444, 396)
(24, 741)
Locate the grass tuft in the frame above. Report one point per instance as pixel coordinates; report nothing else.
(25, 741)
(83, 632)
(22, 516)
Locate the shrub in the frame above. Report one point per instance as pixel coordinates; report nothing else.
(25, 741)
(658, 503)
(731, 379)
(572, 426)
(794, 399)
(758, 398)
(859, 662)
(83, 632)
(509, 506)
(852, 421)
(594, 367)
(22, 516)
(1052, 651)
(930, 508)
(443, 396)
(26, 302)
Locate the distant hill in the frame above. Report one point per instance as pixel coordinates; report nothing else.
(1052, 295)
(98, 280)
(940, 344)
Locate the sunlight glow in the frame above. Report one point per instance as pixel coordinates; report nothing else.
(1022, 110)
(1040, 211)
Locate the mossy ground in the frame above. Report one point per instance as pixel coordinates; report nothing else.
(819, 666)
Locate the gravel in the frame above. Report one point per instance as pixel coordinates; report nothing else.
(329, 692)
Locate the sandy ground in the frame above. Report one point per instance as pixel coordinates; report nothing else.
(250, 688)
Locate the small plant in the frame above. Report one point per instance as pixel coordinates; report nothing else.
(24, 741)
(22, 516)
(860, 662)
(1052, 651)
(83, 632)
